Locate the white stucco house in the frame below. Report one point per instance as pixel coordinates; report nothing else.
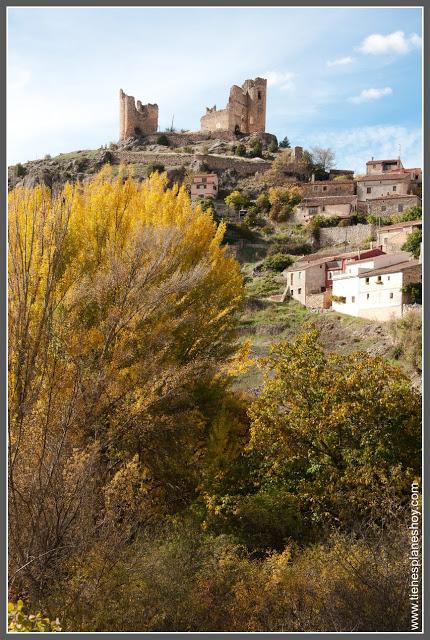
(374, 288)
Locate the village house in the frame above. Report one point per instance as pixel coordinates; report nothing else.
(326, 206)
(390, 205)
(309, 281)
(376, 289)
(380, 185)
(383, 166)
(328, 188)
(204, 186)
(390, 239)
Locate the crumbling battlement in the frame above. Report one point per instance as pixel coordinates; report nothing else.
(245, 112)
(136, 118)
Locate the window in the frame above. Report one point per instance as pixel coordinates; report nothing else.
(322, 289)
(388, 277)
(214, 187)
(292, 278)
(259, 95)
(299, 291)
(369, 189)
(367, 296)
(313, 210)
(352, 298)
(324, 188)
(204, 179)
(394, 188)
(383, 208)
(330, 275)
(400, 208)
(323, 208)
(292, 292)
(299, 275)
(385, 240)
(367, 280)
(379, 280)
(391, 295)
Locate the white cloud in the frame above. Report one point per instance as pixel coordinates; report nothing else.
(283, 80)
(340, 61)
(367, 95)
(395, 42)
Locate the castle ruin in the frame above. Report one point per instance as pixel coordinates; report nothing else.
(244, 113)
(136, 118)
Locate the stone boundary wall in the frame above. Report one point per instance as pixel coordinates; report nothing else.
(242, 166)
(315, 301)
(353, 235)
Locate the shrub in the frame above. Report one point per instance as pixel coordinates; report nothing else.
(262, 202)
(413, 243)
(413, 292)
(256, 148)
(340, 299)
(154, 167)
(240, 149)
(20, 621)
(237, 200)
(20, 170)
(277, 262)
(273, 146)
(406, 333)
(283, 200)
(188, 149)
(163, 140)
(47, 156)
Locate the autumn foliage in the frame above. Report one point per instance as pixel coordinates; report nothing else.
(146, 493)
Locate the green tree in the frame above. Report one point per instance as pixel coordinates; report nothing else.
(412, 213)
(338, 430)
(413, 243)
(285, 143)
(283, 200)
(237, 200)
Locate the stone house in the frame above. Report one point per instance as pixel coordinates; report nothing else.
(328, 188)
(389, 205)
(383, 166)
(381, 185)
(309, 281)
(390, 239)
(204, 186)
(374, 289)
(326, 206)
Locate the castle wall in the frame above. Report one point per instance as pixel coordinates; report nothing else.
(134, 117)
(246, 109)
(214, 120)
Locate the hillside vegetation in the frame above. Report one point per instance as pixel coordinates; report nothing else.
(186, 454)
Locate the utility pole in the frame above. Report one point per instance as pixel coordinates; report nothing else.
(171, 126)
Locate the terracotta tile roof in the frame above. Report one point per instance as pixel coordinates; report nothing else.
(312, 261)
(389, 175)
(401, 225)
(392, 268)
(397, 196)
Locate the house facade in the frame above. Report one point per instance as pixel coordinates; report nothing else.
(390, 239)
(309, 281)
(374, 289)
(204, 186)
(390, 205)
(379, 185)
(326, 206)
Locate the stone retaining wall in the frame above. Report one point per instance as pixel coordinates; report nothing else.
(352, 235)
(243, 167)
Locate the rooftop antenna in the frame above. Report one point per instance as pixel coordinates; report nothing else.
(400, 148)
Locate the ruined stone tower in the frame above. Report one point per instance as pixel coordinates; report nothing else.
(136, 118)
(245, 112)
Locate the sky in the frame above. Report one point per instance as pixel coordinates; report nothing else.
(349, 79)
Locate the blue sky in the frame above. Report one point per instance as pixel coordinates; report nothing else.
(345, 78)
